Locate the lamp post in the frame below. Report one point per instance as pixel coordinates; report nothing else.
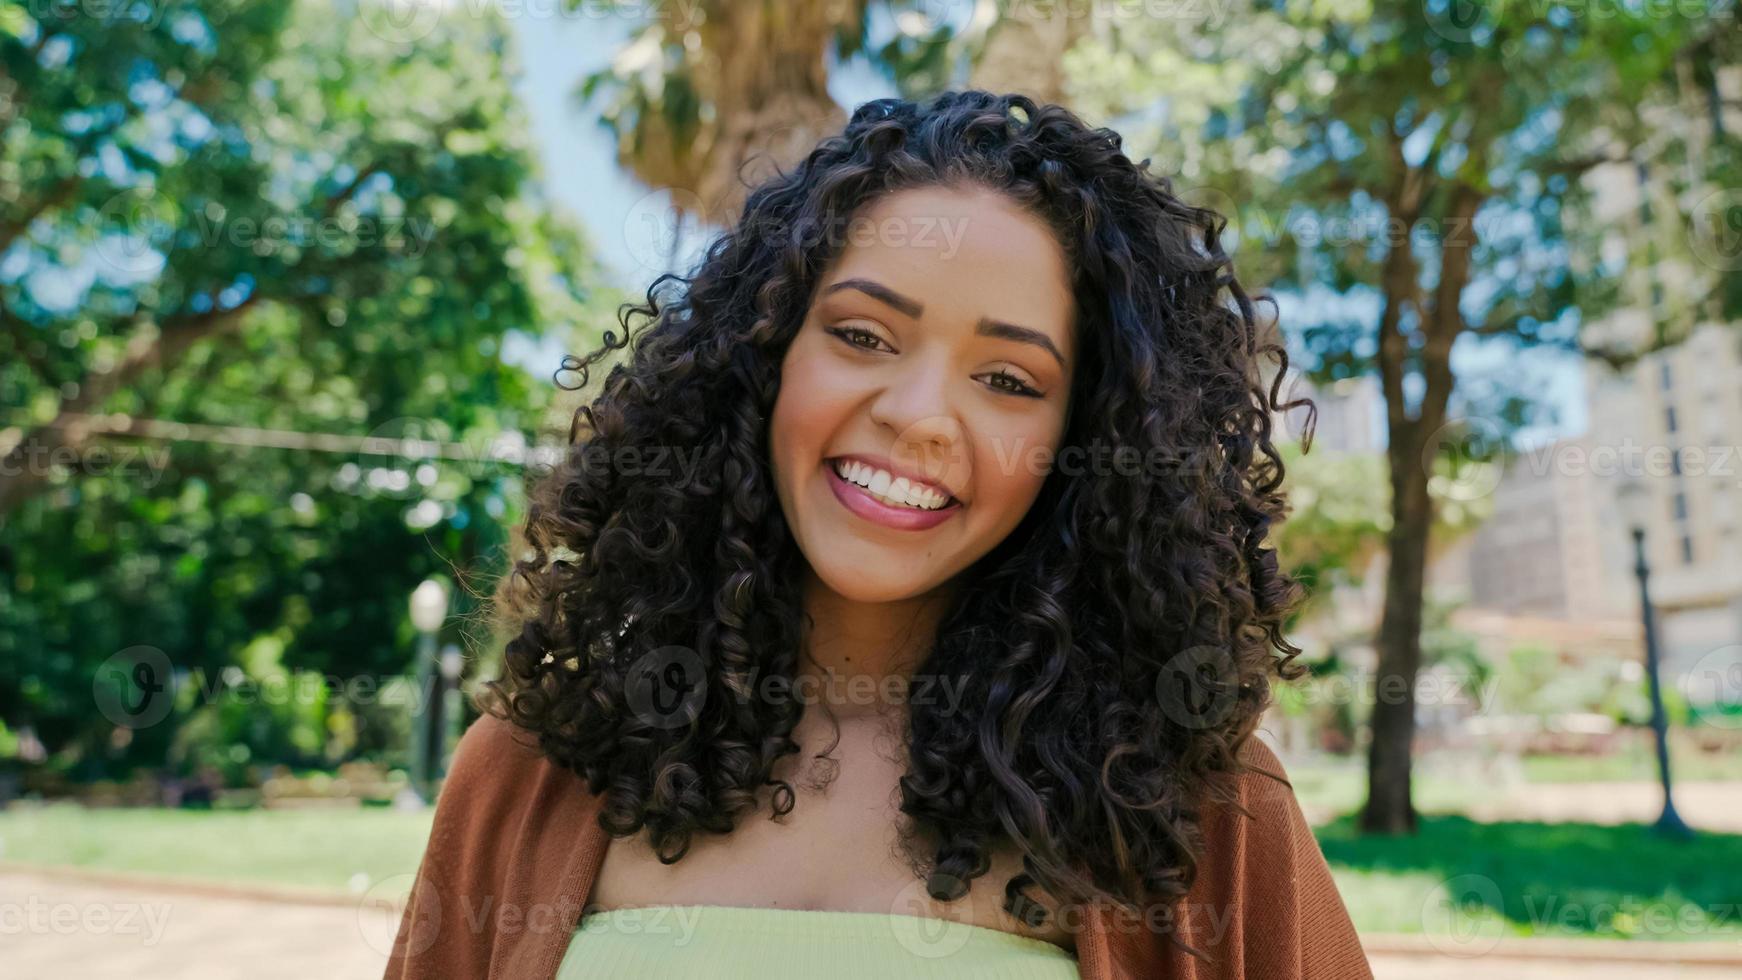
(448, 727)
(1634, 498)
(429, 607)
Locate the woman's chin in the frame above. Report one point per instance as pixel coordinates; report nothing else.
(860, 581)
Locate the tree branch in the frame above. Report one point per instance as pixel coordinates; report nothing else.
(29, 462)
(58, 195)
(21, 477)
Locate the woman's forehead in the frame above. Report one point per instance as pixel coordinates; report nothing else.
(957, 253)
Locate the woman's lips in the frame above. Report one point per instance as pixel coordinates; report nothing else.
(857, 500)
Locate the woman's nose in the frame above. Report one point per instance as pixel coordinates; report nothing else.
(917, 415)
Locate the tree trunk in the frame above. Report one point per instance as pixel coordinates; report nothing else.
(1389, 810)
(761, 74)
(1412, 445)
(1025, 52)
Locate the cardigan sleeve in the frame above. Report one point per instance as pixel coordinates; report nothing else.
(429, 940)
(440, 934)
(513, 849)
(1264, 904)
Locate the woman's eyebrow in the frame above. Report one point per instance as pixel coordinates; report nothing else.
(1022, 335)
(912, 308)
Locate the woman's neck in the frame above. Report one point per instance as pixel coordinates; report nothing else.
(858, 656)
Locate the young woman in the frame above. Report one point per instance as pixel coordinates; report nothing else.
(902, 607)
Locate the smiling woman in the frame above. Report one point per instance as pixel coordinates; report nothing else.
(909, 367)
(975, 405)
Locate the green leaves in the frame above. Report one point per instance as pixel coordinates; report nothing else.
(265, 224)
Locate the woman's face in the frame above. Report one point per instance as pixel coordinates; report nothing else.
(938, 346)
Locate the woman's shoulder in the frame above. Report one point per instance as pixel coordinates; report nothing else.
(490, 749)
(492, 741)
(1255, 808)
(1262, 776)
(1263, 895)
(499, 764)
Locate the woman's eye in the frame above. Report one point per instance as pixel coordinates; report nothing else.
(1016, 385)
(848, 335)
(1003, 381)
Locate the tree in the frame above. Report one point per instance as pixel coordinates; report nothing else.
(1337, 519)
(253, 221)
(693, 114)
(1414, 165)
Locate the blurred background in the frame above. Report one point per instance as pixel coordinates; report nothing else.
(284, 286)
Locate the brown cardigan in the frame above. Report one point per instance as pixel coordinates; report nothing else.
(516, 844)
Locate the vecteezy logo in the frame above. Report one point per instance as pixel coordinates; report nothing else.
(653, 230)
(923, 935)
(388, 917)
(1460, 21)
(135, 230)
(667, 687)
(135, 688)
(1714, 686)
(1198, 687)
(401, 21)
(1459, 458)
(1716, 230)
(1459, 915)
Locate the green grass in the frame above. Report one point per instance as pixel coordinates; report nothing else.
(1464, 878)
(1457, 877)
(304, 848)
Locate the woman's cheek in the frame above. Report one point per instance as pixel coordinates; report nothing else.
(1015, 465)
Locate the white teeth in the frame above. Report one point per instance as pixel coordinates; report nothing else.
(895, 491)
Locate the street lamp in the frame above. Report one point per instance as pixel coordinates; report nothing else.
(453, 664)
(1635, 501)
(429, 608)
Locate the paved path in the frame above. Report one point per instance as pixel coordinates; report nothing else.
(1707, 805)
(54, 927)
(1414, 968)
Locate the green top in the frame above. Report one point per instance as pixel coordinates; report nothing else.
(657, 942)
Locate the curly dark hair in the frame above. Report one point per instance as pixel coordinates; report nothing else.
(1114, 651)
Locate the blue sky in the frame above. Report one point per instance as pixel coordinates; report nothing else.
(630, 230)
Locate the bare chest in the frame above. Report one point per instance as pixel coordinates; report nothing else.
(841, 848)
